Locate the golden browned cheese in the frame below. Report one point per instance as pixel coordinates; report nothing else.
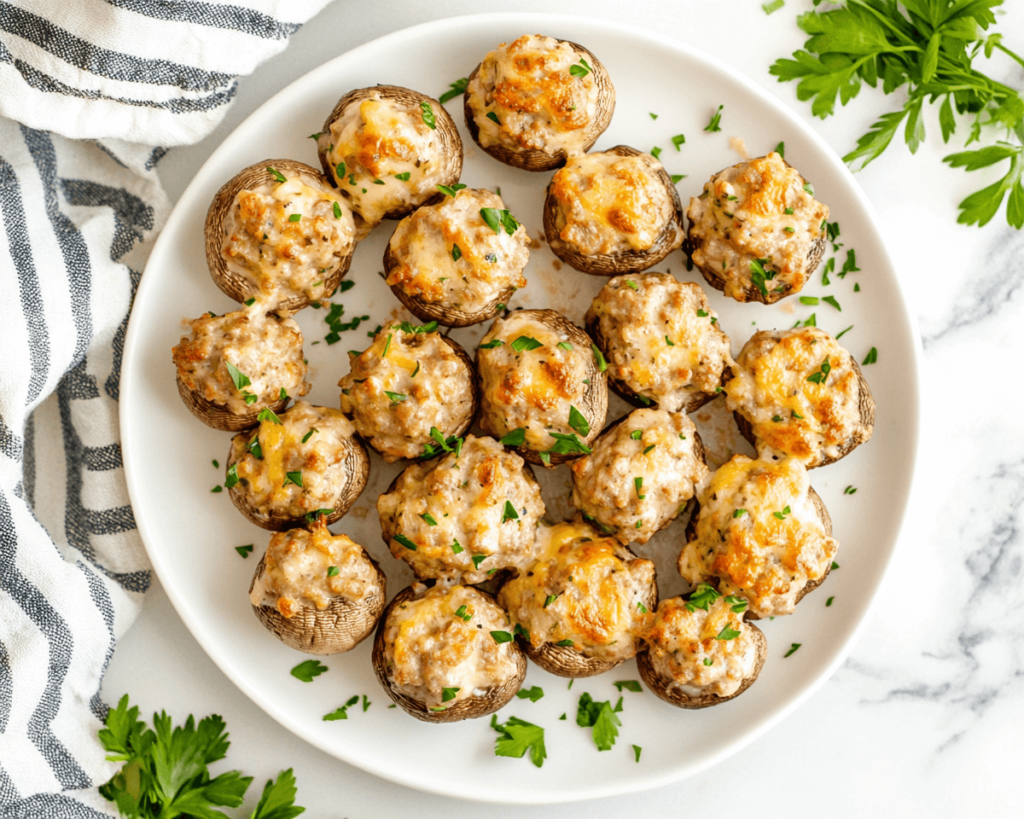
(790, 413)
(609, 203)
(598, 588)
(442, 640)
(769, 551)
(701, 651)
(312, 568)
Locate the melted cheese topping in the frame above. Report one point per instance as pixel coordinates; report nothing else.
(426, 243)
(296, 571)
(539, 105)
(791, 415)
(764, 553)
(607, 204)
(596, 584)
(374, 141)
(314, 441)
(429, 648)
(282, 258)
(604, 484)
(532, 389)
(741, 217)
(684, 648)
(639, 316)
(453, 510)
(264, 347)
(430, 385)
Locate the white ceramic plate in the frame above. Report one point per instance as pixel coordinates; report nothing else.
(191, 533)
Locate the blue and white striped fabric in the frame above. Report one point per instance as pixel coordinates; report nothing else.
(92, 92)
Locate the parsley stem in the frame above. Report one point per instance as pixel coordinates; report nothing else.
(1016, 58)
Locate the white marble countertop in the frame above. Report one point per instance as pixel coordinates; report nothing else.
(924, 718)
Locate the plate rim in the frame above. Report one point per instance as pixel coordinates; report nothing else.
(132, 470)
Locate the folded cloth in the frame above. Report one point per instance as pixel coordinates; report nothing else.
(77, 219)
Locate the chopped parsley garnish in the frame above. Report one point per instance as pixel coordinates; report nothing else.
(601, 718)
(809, 300)
(332, 571)
(428, 115)
(295, 217)
(649, 448)
(532, 694)
(565, 643)
(679, 140)
(451, 190)
(518, 737)
(641, 607)
(509, 513)
(808, 188)
(308, 669)
(339, 169)
(490, 345)
(727, 633)
(821, 375)
(250, 302)
(428, 519)
(792, 650)
(501, 637)
(636, 434)
(402, 177)
(782, 515)
(829, 601)
(497, 219)
(448, 694)
(677, 178)
(342, 712)
(812, 321)
(396, 397)
(462, 614)
(844, 332)
(602, 365)
(708, 661)
(567, 445)
(278, 176)
(578, 421)
(312, 516)
(632, 285)
(832, 300)
(739, 512)
(759, 275)
(525, 344)
(850, 265)
(834, 565)
(738, 604)
(493, 118)
(406, 327)
(773, 6)
(455, 89)
(402, 540)
(267, 414)
(244, 551)
(581, 69)
(516, 437)
(850, 490)
(551, 598)
(702, 597)
(652, 115)
(638, 485)
(232, 476)
(565, 345)
(456, 253)
(670, 342)
(238, 378)
(871, 357)
(656, 152)
(628, 685)
(293, 477)
(457, 547)
(716, 121)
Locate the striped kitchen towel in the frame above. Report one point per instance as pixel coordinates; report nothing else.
(92, 92)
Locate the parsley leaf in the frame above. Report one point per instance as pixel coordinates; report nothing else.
(455, 89)
(532, 694)
(716, 121)
(601, 718)
(518, 736)
(578, 421)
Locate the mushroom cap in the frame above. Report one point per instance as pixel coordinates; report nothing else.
(536, 160)
(339, 627)
(447, 131)
(663, 688)
(470, 708)
(629, 261)
(233, 283)
(220, 417)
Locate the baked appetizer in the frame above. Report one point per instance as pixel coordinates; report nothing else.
(410, 386)
(536, 101)
(612, 212)
(701, 651)
(465, 515)
(642, 472)
(302, 463)
(756, 232)
(798, 392)
(446, 653)
(233, 367)
(280, 234)
(579, 608)
(661, 339)
(317, 592)
(760, 532)
(457, 262)
(387, 149)
(542, 386)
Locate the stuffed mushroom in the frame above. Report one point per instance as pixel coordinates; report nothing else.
(233, 367)
(445, 654)
(613, 212)
(798, 392)
(756, 232)
(302, 463)
(459, 261)
(536, 101)
(580, 607)
(464, 516)
(543, 387)
(661, 339)
(317, 592)
(760, 532)
(278, 233)
(641, 474)
(387, 149)
(701, 652)
(410, 386)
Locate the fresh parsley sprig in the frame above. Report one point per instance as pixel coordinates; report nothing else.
(929, 46)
